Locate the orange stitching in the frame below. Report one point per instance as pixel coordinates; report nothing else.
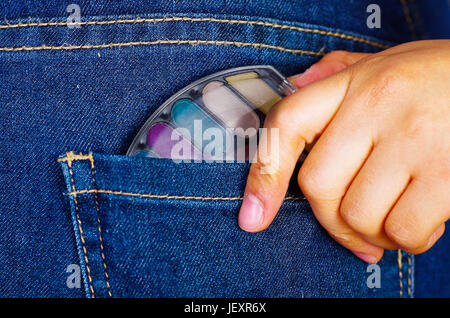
(409, 275)
(155, 196)
(99, 227)
(70, 156)
(166, 196)
(126, 44)
(80, 226)
(229, 21)
(408, 19)
(400, 273)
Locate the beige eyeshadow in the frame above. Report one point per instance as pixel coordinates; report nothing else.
(255, 90)
(229, 108)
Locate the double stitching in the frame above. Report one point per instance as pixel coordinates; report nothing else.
(69, 159)
(159, 42)
(167, 196)
(99, 227)
(80, 225)
(72, 157)
(216, 20)
(409, 275)
(400, 273)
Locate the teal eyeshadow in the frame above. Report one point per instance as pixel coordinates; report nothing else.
(185, 111)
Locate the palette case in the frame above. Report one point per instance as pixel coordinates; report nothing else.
(215, 118)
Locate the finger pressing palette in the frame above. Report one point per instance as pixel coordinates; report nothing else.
(214, 118)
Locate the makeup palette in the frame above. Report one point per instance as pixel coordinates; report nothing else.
(214, 118)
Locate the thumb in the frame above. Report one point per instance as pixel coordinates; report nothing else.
(290, 124)
(330, 64)
(293, 122)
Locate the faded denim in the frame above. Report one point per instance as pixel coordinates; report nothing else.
(90, 89)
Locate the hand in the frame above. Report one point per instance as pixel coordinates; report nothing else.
(379, 175)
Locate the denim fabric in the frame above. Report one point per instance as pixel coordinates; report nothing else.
(349, 15)
(151, 227)
(431, 18)
(90, 89)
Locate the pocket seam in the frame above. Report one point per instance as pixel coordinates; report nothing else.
(215, 20)
(406, 281)
(80, 226)
(409, 285)
(166, 196)
(159, 42)
(69, 159)
(97, 206)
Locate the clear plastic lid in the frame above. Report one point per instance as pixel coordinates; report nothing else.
(215, 118)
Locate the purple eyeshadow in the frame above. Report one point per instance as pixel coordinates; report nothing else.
(159, 138)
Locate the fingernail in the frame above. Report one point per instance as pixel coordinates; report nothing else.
(251, 213)
(305, 78)
(306, 72)
(366, 258)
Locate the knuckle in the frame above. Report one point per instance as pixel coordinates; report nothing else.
(276, 115)
(288, 116)
(351, 214)
(265, 171)
(372, 62)
(382, 78)
(403, 235)
(315, 184)
(282, 112)
(386, 82)
(287, 113)
(307, 182)
(421, 125)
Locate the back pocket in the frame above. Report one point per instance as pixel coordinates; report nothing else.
(153, 228)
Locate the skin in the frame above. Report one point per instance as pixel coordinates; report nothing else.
(378, 176)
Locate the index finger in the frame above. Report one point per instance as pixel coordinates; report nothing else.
(295, 121)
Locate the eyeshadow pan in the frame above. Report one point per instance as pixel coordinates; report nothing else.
(255, 90)
(159, 138)
(185, 112)
(214, 118)
(229, 108)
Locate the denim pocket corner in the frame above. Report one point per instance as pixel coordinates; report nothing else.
(149, 227)
(79, 174)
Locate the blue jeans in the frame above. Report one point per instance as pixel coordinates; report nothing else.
(140, 227)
